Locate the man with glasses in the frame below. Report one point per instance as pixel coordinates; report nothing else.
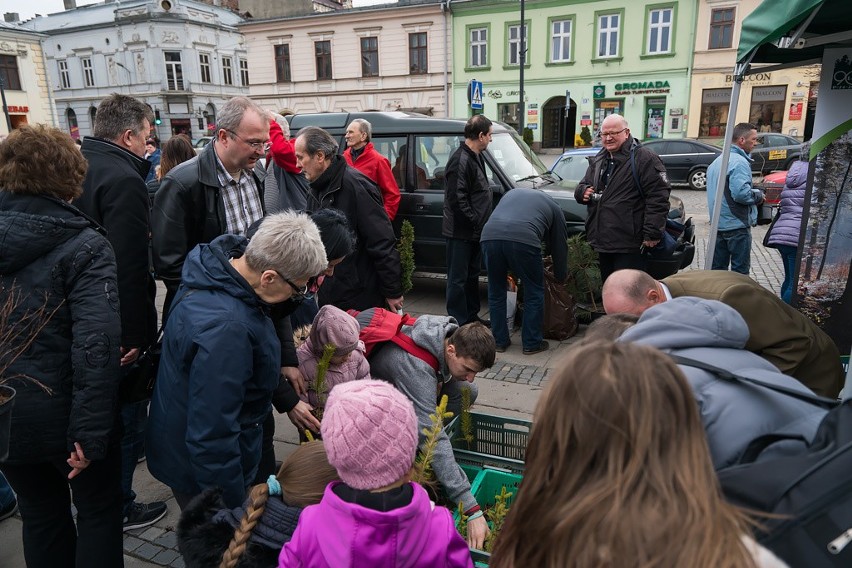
(218, 192)
(221, 357)
(624, 219)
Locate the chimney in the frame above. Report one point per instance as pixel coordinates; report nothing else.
(11, 17)
(70, 4)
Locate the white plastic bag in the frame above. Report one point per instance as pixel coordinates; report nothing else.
(511, 302)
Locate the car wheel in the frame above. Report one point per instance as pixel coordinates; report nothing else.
(698, 179)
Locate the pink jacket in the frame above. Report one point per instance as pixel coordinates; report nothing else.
(332, 325)
(337, 534)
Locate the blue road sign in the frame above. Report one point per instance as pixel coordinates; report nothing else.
(475, 95)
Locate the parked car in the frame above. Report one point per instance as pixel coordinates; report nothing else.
(200, 143)
(774, 152)
(418, 148)
(686, 160)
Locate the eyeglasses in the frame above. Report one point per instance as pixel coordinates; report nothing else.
(612, 134)
(256, 146)
(299, 293)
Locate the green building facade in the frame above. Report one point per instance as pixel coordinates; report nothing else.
(632, 57)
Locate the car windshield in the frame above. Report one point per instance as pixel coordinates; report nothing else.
(572, 168)
(514, 156)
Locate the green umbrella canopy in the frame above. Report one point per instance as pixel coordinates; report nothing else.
(774, 19)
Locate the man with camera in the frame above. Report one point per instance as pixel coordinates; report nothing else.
(623, 219)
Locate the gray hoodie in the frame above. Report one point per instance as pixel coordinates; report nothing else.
(733, 413)
(416, 379)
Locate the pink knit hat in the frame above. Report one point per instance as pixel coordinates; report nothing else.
(333, 325)
(370, 433)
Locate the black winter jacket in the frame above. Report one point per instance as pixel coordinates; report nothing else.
(115, 196)
(467, 195)
(188, 210)
(206, 528)
(373, 272)
(622, 218)
(53, 257)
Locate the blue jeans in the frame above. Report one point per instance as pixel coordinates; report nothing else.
(7, 496)
(464, 261)
(524, 261)
(734, 248)
(788, 256)
(134, 418)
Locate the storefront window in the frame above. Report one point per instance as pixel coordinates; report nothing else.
(714, 112)
(508, 113)
(767, 107)
(655, 111)
(604, 108)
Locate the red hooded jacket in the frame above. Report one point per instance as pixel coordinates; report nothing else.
(377, 168)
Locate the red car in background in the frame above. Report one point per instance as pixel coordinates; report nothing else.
(771, 184)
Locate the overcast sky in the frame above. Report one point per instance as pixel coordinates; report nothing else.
(29, 8)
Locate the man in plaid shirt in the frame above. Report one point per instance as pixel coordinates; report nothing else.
(215, 193)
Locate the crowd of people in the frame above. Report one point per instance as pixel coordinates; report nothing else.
(262, 233)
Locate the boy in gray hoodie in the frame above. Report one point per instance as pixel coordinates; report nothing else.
(462, 352)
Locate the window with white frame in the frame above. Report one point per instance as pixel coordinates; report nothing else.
(479, 47)
(204, 66)
(660, 30)
(174, 70)
(64, 76)
(515, 43)
(608, 28)
(88, 72)
(560, 42)
(244, 77)
(227, 71)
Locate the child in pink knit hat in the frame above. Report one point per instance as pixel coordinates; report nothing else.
(332, 325)
(374, 516)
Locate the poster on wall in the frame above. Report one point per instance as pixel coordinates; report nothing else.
(824, 281)
(795, 111)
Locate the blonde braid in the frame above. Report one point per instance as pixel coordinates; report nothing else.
(258, 497)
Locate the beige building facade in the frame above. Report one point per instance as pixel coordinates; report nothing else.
(28, 96)
(384, 58)
(780, 101)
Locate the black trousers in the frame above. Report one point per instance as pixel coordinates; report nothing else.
(464, 262)
(50, 538)
(612, 261)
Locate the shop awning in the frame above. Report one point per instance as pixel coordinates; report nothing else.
(793, 31)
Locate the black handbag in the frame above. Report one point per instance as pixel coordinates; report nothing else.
(137, 383)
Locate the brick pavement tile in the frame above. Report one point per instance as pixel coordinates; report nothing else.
(152, 533)
(179, 563)
(148, 551)
(166, 557)
(167, 540)
(131, 543)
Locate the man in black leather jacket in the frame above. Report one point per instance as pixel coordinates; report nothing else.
(467, 206)
(372, 275)
(218, 192)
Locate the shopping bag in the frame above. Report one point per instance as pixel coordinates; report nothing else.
(511, 301)
(560, 318)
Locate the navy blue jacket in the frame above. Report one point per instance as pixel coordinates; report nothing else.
(220, 364)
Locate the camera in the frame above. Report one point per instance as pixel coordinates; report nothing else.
(596, 196)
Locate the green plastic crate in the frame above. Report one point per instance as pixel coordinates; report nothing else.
(498, 442)
(485, 488)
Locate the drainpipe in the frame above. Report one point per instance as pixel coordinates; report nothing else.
(690, 65)
(447, 11)
(54, 116)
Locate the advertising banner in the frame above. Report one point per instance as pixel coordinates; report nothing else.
(824, 289)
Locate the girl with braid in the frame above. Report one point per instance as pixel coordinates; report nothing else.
(212, 536)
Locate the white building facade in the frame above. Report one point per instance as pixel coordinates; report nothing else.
(390, 57)
(181, 57)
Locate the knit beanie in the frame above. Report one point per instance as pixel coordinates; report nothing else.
(370, 433)
(333, 325)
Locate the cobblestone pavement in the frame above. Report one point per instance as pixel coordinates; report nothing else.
(157, 545)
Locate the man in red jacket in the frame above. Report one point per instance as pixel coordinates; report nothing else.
(361, 155)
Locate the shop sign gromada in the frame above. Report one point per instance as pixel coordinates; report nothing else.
(640, 87)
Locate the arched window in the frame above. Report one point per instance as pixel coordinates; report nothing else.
(71, 119)
(92, 111)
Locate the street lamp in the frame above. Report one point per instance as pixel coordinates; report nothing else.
(522, 55)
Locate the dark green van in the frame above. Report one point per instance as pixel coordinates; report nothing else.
(418, 148)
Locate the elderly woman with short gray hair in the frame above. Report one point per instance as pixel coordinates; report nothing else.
(221, 356)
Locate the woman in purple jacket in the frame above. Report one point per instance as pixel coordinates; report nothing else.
(784, 234)
(374, 516)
